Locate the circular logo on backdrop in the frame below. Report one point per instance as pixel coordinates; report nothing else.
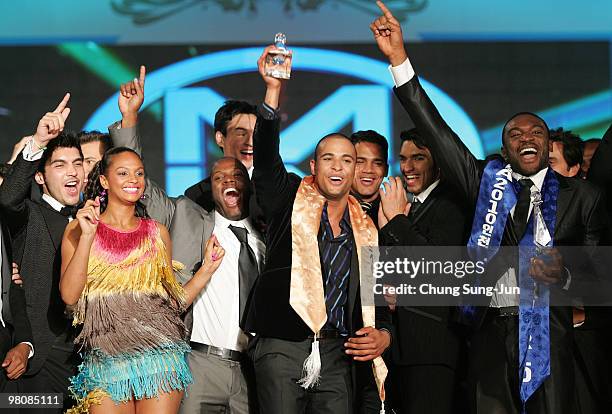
(366, 106)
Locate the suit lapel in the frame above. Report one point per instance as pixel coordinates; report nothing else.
(56, 223)
(6, 266)
(426, 205)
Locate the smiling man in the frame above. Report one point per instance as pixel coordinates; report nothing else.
(234, 124)
(370, 170)
(306, 303)
(55, 160)
(572, 214)
(427, 353)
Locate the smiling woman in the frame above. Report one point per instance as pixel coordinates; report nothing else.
(117, 271)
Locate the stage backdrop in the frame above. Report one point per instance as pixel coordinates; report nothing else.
(480, 63)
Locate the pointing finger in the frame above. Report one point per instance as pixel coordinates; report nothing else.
(62, 104)
(143, 73)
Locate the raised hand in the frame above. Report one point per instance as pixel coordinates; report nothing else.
(18, 148)
(131, 97)
(213, 254)
(89, 217)
(273, 85)
(388, 35)
(393, 198)
(52, 123)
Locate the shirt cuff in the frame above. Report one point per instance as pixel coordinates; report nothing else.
(31, 152)
(403, 73)
(115, 125)
(267, 112)
(31, 349)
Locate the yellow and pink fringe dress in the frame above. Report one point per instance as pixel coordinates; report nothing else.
(132, 336)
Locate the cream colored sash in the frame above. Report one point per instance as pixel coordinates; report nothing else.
(307, 295)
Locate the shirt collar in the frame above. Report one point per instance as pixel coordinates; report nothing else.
(422, 196)
(345, 223)
(537, 178)
(56, 205)
(224, 222)
(250, 172)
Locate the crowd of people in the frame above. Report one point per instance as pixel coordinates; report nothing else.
(245, 295)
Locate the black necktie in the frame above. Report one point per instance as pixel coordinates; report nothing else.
(521, 211)
(414, 207)
(365, 206)
(247, 269)
(69, 211)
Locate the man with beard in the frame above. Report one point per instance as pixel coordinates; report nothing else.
(222, 373)
(307, 302)
(426, 352)
(370, 170)
(54, 159)
(521, 350)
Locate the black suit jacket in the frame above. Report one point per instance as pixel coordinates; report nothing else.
(581, 219)
(600, 172)
(14, 312)
(270, 313)
(37, 232)
(426, 335)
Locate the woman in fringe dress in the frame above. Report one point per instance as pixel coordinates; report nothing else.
(117, 272)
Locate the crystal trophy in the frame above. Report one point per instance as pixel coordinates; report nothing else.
(278, 60)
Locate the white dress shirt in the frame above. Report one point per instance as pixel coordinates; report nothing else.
(216, 310)
(422, 196)
(509, 279)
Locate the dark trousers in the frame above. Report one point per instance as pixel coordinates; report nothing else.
(367, 400)
(53, 377)
(278, 367)
(493, 373)
(427, 389)
(593, 365)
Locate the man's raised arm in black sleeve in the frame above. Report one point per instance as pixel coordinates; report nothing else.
(274, 186)
(457, 164)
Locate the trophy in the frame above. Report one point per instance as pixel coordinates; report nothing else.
(278, 60)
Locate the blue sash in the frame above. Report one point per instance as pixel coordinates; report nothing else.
(496, 197)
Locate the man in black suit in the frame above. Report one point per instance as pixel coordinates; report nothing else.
(371, 168)
(54, 159)
(426, 352)
(15, 332)
(594, 336)
(494, 380)
(285, 337)
(566, 154)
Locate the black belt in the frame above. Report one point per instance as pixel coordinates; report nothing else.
(503, 312)
(220, 352)
(327, 334)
